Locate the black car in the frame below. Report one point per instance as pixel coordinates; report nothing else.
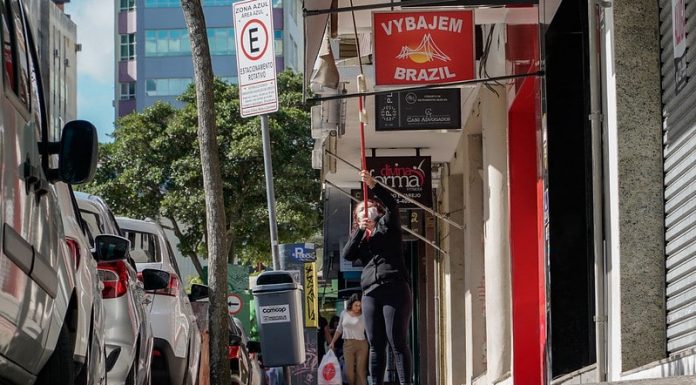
(243, 356)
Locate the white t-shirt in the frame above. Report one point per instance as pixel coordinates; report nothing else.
(351, 327)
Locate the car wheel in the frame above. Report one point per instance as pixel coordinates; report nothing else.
(60, 368)
(236, 380)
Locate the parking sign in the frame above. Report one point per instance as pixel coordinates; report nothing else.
(253, 28)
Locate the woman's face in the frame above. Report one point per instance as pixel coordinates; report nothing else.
(356, 307)
(372, 211)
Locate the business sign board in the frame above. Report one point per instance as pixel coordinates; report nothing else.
(298, 252)
(409, 175)
(256, 67)
(274, 314)
(679, 42)
(422, 47)
(436, 109)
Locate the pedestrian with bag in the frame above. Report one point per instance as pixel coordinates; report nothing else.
(351, 327)
(376, 241)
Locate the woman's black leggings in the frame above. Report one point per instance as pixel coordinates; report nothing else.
(387, 311)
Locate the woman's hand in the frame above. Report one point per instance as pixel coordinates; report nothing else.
(331, 346)
(367, 178)
(365, 223)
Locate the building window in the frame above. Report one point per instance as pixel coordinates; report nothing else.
(278, 43)
(166, 87)
(126, 91)
(126, 5)
(279, 3)
(175, 42)
(128, 46)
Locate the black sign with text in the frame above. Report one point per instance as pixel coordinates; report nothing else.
(409, 175)
(435, 109)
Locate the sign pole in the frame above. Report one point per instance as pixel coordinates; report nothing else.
(278, 264)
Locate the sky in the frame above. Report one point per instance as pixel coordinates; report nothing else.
(95, 63)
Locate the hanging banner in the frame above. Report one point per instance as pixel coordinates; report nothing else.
(311, 300)
(436, 109)
(423, 47)
(679, 42)
(409, 175)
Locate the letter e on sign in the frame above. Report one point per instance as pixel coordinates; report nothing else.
(256, 61)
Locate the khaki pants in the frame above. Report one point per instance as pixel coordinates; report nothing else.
(355, 355)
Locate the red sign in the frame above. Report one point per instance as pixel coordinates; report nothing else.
(423, 47)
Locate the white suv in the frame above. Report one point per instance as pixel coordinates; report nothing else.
(128, 335)
(38, 299)
(176, 354)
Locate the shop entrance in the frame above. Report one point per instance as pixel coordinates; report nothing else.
(571, 325)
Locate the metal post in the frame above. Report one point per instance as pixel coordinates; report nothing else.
(278, 264)
(287, 376)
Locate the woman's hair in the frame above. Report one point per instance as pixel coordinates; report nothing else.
(334, 322)
(353, 299)
(359, 207)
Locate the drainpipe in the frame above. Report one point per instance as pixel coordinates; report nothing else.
(593, 9)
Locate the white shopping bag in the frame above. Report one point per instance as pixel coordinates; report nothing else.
(329, 370)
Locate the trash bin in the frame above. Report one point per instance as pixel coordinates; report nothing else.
(279, 316)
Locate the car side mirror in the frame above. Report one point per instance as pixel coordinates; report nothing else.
(110, 248)
(198, 292)
(77, 153)
(254, 346)
(154, 279)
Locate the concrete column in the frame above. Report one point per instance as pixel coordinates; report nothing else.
(640, 166)
(454, 282)
(496, 234)
(474, 300)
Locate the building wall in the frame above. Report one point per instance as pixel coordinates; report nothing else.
(180, 68)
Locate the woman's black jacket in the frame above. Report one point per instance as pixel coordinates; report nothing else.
(381, 254)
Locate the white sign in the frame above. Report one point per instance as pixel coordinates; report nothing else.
(256, 65)
(234, 304)
(274, 314)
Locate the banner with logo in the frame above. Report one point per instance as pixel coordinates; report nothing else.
(421, 47)
(409, 175)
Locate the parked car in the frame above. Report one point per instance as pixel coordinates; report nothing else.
(176, 353)
(127, 330)
(38, 297)
(243, 355)
(90, 350)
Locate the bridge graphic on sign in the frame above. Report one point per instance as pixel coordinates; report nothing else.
(426, 51)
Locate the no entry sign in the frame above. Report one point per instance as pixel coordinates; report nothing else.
(253, 28)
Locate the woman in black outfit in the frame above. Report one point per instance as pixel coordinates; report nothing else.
(376, 242)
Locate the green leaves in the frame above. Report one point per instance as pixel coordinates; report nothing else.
(153, 168)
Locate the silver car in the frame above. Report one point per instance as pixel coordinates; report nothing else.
(127, 329)
(89, 356)
(176, 356)
(38, 299)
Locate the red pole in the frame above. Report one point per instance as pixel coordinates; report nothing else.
(362, 152)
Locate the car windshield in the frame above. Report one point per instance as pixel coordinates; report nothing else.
(144, 246)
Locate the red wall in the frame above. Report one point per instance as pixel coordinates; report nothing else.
(526, 213)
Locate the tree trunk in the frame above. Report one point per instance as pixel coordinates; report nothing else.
(212, 184)
(193, 256)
